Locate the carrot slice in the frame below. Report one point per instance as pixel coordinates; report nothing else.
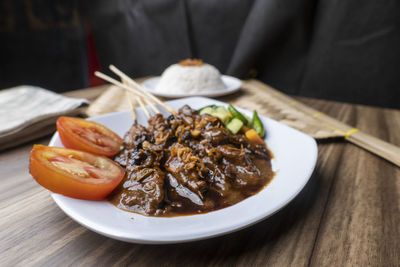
(253, 136)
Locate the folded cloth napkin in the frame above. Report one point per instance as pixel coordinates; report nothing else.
(29, 112)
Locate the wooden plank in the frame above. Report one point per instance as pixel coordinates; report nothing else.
(361, 223)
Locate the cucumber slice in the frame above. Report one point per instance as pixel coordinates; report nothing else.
(209, 106)
(234, 125)
(221, 109)
(221, 113)
(207, 110)
(217, 111)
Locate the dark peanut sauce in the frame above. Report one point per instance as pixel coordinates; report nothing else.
(188, 164)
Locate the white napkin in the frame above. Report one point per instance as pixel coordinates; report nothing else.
(22, 107)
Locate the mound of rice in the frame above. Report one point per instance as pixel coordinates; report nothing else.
(190, 76)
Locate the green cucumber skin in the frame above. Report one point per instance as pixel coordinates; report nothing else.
(236, 114)
(209, 106)
(257, 125)
(206, 110)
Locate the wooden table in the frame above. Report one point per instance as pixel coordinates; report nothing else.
(347, 215)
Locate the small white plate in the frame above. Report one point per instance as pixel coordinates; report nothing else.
(295, 155)
(232, 85)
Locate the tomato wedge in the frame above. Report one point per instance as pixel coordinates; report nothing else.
(88, 136)
(74, 173)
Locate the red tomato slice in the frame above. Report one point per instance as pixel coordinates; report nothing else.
(74, 173)
(88, 136)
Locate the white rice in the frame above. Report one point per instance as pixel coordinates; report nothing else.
(190, 79)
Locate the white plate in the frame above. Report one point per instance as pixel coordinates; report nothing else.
(232, 85)
(295, 155)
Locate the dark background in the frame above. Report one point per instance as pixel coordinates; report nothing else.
(339, 50)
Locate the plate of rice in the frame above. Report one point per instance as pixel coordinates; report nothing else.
(192, 77)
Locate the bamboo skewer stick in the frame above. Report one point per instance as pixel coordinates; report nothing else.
(152, 106)
(143, 107)
(372, 144)
(126, 87)
(123, 85)
(140, 103)
(146, 100)
(136, 92)
(133, 112)
(117, 83)
(139, 87)
(124, 81)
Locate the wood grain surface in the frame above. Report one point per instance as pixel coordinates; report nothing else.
(347, 215)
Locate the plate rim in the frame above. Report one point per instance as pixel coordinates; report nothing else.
(202, 235)
(225, 78)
